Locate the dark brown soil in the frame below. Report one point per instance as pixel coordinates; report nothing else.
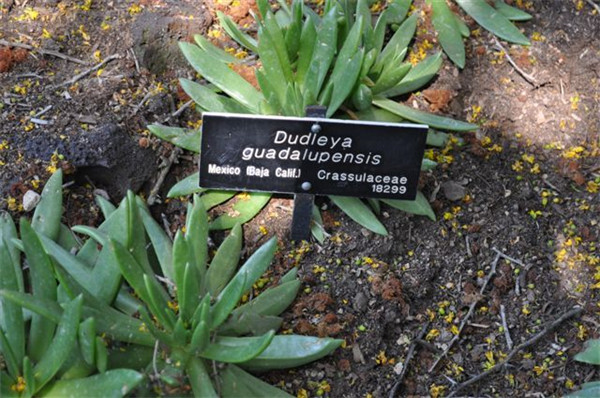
(530, 177)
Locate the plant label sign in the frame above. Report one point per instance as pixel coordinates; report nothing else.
(311, 155)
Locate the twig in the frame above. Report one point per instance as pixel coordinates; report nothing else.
(40, 122)
(509, 341)
(463, 323)
(179, 111)
(139, 106)
(569, 314)
(514, 260)
(596, 6)
(163, 174)
(166, 225)
(519, 280)
(42, 51)
(409, 355)
(40, 113)
(135, 60)
(154, 355)
(88, 71)
(530, 79)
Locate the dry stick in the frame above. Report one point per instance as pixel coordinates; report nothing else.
(179, 111)
(88, 71)
(596, 6)
(530, 79)
(521, 275)
(466, 318)
(409, 355)
(42, 51)
(163, 174)
(509, 341)
(569, 314)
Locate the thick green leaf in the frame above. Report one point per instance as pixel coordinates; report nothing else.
(323, 54)
(396, 11)
(316, 225)
(131, 270)
(591, 354)
(236, 34)
(200, 379)
(257, 264)
(215, 52)
(493, 20)
(196, 236)
(243, 211)
(437, 138)
(62, 344)
(237, 349)
(401, 38)
(429, 119)
(46, 308)
(238, 383)
(278, 39)
(359, 212)
(105, 206)
(428, 164)
(249, 323)
(375, 205)
(10, 359)
(462, 26)
(187, 186)
(111, 384)
(289, 351)
(132, 356)
(307, 47)
(221, 76)
(86, 337)
(189, 291)
(163, 247)
(227, 300)
(158, 304)
(586, 392)
(510, 12)
(272, 301)
(378, 115)
(294, 31)
(417, 77)
(75, 267)
(67, 239)
(43, 285)
(209, 101)
(344, 82)
(8, 232)
(272, 65)
(47, 214)
(449, 35)
(184, 138)
(225, 261)
(390, 77)
(419, 206)
(11, 314)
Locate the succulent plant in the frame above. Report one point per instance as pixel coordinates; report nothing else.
(590, 355)
(339, 60)
(182, 327)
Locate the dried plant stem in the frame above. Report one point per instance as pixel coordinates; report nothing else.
(466, 318)
(409, 355)
(86, 72)
(569, 314)
(530, 79)
(42, 51)
(509, 341)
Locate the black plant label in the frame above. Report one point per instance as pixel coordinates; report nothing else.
(311, 155)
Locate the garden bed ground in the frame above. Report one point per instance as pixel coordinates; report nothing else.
(520, 196)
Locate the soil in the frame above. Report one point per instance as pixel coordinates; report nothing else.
(520, 196)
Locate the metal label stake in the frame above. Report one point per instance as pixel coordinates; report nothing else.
(304, 202)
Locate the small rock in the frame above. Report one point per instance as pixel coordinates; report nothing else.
(453, 191)
(365, 232)
(30, 200)
(360, 302)
(357, 354)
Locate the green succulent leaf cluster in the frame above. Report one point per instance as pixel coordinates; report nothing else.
(590, 355)
(98, 320)
(341, 60)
